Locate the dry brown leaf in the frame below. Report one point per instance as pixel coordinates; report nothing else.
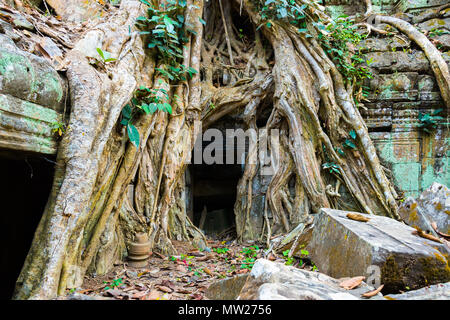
(153, 295)
(197, 296)
(419, 232)
(357, 217)
(242, 271)
(196, 254)
(139, 295)
(271, 257)
(181, 268)
(159, 255)
(352, 283)
(445, 236)
(208, 271)
(373, 292)
(164, 289)
(185, 291)
(205, 258)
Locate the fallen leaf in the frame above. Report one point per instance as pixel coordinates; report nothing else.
(419, 232)
(373, 292)
(202, 288)
(445, 236)
(159, 255)
(139, 295)
(352, 283)
(196, 254)
(181, 268)
(153, 295)
(357, 217)
(153, 271)
(168, 283)
(164, 289)
(242, 271)
(271, 257)
(197, 296)
(208, 271)
(185, 291)
(118, 294)
(205, 258)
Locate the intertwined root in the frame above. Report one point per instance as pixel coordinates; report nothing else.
(243, 63)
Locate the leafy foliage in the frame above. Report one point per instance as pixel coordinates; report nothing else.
(428, 122)
(221, 250)
(332, 167)
(290, 260)
(167, 32)
(105, 56)
(287, 10)
(348, 142)
(113, 284)
(341, 33)
(59, 128)
(250, 253)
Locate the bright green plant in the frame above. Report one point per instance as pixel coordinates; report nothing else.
(59, 128)
(248, 263)
(113, 284)
(289, 260)
(251, 251)
(221, 250)
(437, 32)
(250, 255)
(105, 56)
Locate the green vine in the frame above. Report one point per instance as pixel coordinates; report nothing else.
(166, 34)
(339, 34)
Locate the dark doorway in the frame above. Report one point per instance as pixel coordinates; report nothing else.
(26, 180)
(214, 195)
(212, 188)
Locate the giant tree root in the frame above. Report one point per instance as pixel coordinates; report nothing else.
(105, 189)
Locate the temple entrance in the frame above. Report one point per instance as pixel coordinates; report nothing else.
(27, 181)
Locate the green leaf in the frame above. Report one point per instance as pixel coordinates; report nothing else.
(126, 112)
(350, 144)
(167, 107)
(146, 108)
(352, 134)
(169, 24)
(133, 134)
(100, 52)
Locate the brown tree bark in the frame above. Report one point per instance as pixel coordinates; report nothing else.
(105, 189)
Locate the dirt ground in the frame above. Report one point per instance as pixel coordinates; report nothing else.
(183, 277)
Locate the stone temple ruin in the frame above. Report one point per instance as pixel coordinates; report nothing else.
(33, 96)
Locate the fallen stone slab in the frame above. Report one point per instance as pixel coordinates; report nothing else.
(226, 289)
(342, 247)
(436, 292)
(274, 281)
(433, 205)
